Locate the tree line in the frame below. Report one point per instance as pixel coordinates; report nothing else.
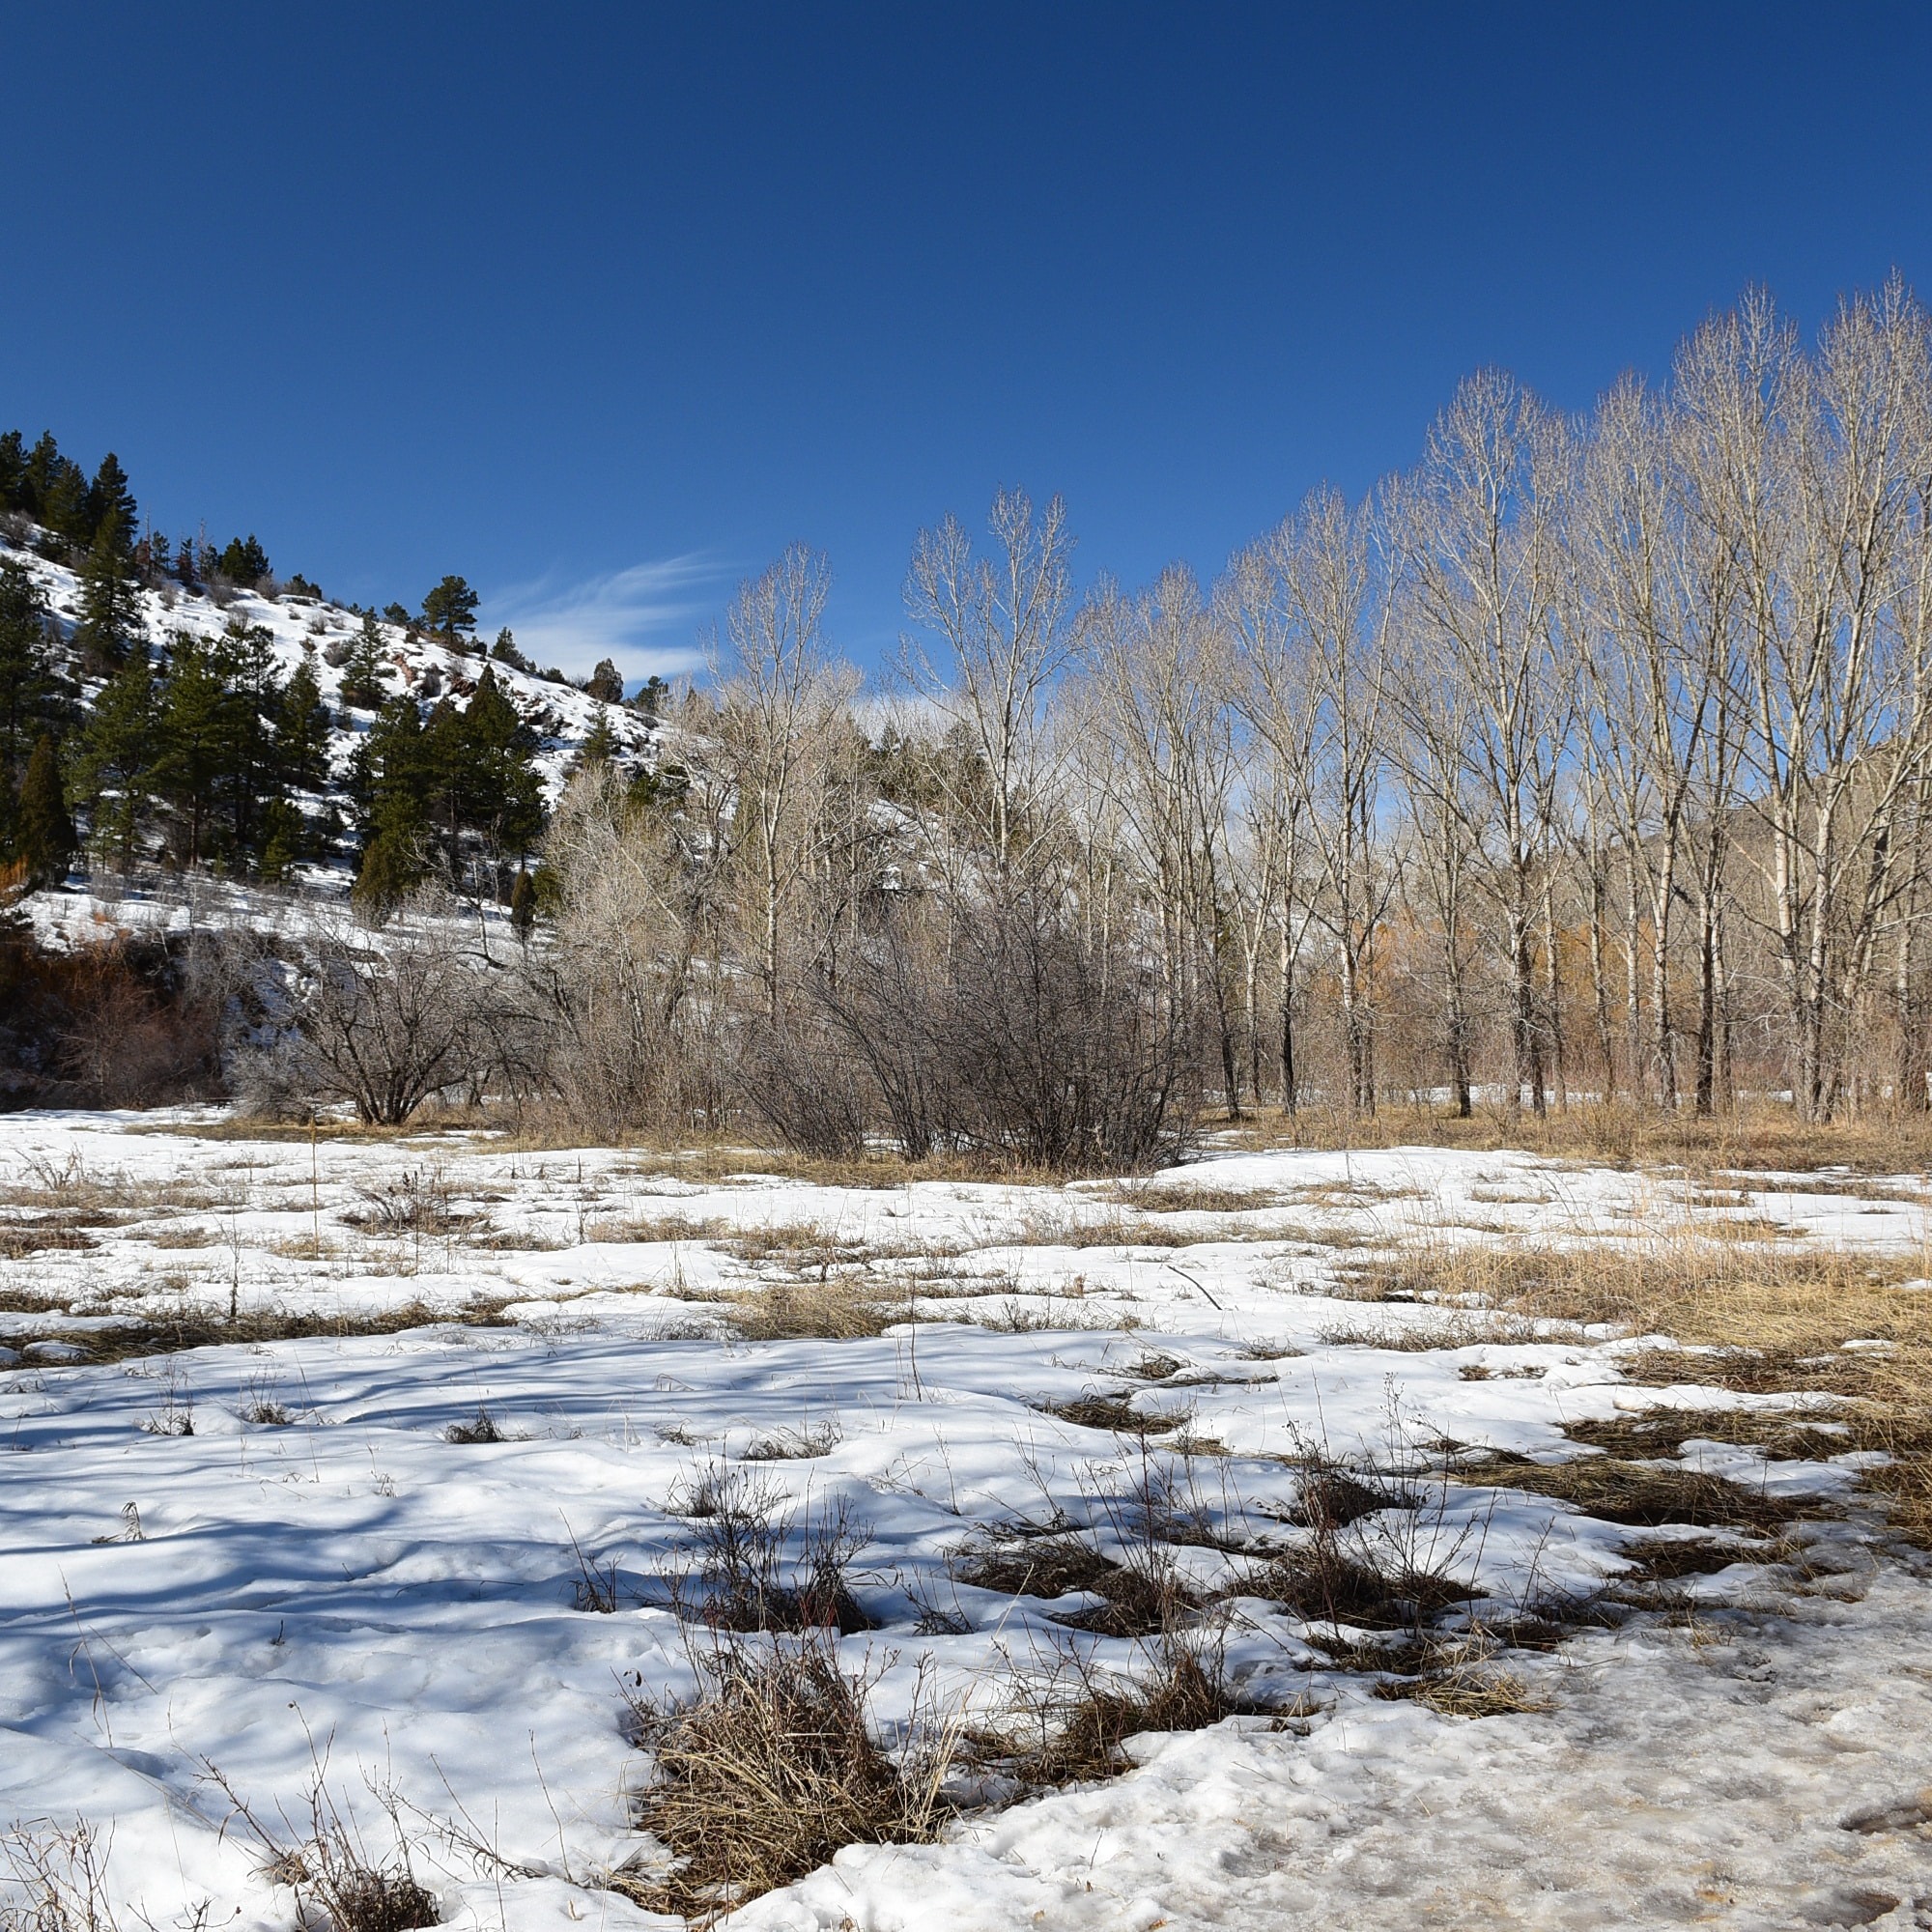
(1588, 759)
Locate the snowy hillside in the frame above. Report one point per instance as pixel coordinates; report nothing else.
(306, 628)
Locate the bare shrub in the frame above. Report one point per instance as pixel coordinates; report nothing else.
(797, 1077)
(481, 1427)
(623, 1046)
(386, 1023)
(743, 1577)
(122, 1022)
(53, 1878)
(417, 1203)
(325, 1857)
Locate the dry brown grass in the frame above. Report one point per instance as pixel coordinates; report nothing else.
(57, 1878)
(1326, 1580)
(1761, 1319)
(343, 1884)
(482, 1427)
(1467, 1689)
(1187, 1197)
(1643, 1495)
(1754, 1139)
(1113, 1409)
(1137, 1598)
(803, 1445)
(173, 1333)
(1782, 1435)
(836, 1310)
(1072, 1727)
(182, 1237)
(767, 1772)
(656, 1228)
(737, 1577)
(1421, 1338)
(1055, 1224)
(20, 1240)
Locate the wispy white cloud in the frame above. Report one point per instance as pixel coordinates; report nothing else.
(644, 618)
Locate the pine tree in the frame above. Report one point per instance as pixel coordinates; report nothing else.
(45, 464)
(284, 840)
(449, 612)
(365, 667)
(504, 651)
(251, 777)
(492, 787)
(390, 778)
(32, 694)
(63, 507)
(245, 561)
(389, 871)
(301, 731)
(44, 837)
(192, 749)
(13, 469)
(116, 750)
(110, 604)
(600, 746)
(606, 683)
(109, 496)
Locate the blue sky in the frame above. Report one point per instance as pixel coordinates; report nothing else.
(600, 306)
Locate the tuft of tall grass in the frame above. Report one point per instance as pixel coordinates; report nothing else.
(770, 1770)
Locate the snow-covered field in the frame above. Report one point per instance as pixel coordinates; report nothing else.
(271, 1560)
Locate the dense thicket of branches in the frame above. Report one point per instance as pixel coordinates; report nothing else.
(1592, 758)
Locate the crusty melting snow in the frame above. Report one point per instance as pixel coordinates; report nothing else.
(301, 1557)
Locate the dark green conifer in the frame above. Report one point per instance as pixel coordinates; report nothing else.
(45, 463)
(449, 612)
(392, 868)
(34, 697)
(191, 734)
(301, 731)
(245, 561)
(110, 604)
(64, 506)
(117, 749)
(601, 745)
(504, 651)
(366, 669)
(109, 498)
(43, 835)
